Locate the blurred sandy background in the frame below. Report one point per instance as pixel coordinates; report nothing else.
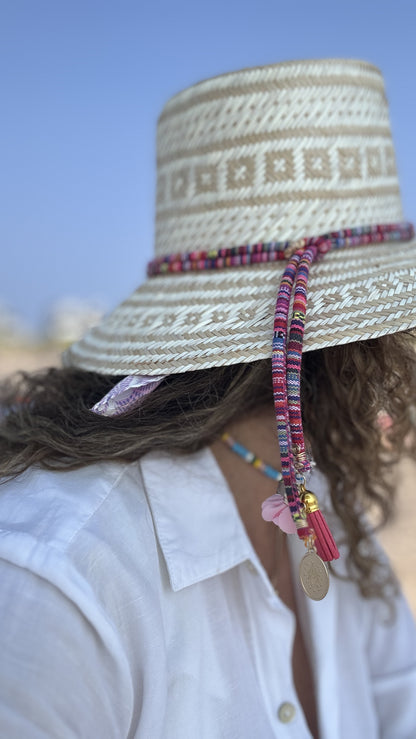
(398, 539)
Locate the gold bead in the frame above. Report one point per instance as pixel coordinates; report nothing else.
(310, 501)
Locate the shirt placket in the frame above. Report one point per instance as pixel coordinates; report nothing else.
(272, 628)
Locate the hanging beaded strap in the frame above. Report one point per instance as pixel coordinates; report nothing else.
(310, 523)
(280, 390)
(287, 348)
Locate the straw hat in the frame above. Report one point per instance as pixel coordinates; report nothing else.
(272, 153)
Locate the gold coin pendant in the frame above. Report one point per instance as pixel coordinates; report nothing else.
(314, 576)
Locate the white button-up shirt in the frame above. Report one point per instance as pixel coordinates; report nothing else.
(132, 604)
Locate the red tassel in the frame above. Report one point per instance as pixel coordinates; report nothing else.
(324, 542)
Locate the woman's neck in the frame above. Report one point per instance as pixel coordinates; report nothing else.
(249, 486)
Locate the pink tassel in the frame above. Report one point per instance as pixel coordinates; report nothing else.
(324, 541)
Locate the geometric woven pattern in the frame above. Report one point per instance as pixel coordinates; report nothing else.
(267, 154)
(240, 153)
(210, 319)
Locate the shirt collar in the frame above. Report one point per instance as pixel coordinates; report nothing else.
(197, 522)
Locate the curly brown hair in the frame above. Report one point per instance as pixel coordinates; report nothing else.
(47, 421)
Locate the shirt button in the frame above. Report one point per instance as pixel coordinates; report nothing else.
(251, 567)
(286, 712)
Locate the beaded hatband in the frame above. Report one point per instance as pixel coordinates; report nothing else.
(276, 251)
(287, 348)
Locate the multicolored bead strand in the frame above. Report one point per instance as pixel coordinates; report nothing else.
(280, 393)
(251, 458)
(294, 356)
(310, 523)
(275, 251)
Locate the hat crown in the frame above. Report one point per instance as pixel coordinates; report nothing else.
(275, 153)
(267, 154)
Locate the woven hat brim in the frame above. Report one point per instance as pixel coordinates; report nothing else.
(191, 321)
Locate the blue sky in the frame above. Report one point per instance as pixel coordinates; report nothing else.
(82, 83)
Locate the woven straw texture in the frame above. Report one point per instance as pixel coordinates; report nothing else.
(271, 153)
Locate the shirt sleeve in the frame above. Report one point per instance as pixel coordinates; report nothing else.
(58, 677)
(392, 650)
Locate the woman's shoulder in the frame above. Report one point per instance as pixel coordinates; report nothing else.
(54, 507)
(87, 533)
